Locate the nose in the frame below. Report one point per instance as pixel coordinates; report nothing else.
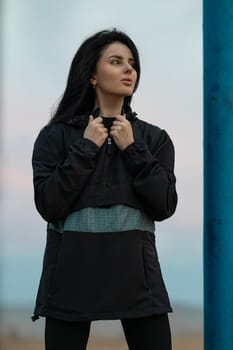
(127, 67)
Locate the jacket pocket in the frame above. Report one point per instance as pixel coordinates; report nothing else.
(55, 264)
(144, 262)
(51, 256)
(152, 271)
(99, 272)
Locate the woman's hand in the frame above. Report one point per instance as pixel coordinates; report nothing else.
(95, 131)
(122, 132)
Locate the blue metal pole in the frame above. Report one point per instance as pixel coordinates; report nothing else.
(218, 174)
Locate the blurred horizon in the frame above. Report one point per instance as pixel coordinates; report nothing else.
(39, 42)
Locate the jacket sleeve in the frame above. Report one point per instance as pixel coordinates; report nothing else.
(58, 181)
(153, 172)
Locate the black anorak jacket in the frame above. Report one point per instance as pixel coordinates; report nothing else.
(89, 276)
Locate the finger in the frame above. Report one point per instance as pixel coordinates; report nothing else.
(117, 122)
(102, 128)
(121, 117)
(116, 127)
(91, 118)
(113, 132)
(99, 120)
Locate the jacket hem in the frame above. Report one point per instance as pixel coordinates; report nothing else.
(101, 316)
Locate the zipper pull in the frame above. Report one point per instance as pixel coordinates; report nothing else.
(109, 145)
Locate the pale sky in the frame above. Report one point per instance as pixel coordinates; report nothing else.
(40, 39)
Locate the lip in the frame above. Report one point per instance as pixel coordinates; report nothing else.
(127, 81)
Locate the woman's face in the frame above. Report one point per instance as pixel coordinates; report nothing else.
(115, 73)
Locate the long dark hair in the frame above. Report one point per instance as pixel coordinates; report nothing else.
(79, 96)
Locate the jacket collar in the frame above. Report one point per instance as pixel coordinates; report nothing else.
(81, 121)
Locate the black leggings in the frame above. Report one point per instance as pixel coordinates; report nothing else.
(147, 333)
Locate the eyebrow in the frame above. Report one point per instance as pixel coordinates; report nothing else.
(120, 57)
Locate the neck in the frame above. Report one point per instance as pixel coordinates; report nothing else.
(111, 106)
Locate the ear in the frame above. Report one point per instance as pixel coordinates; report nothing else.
(93, 80)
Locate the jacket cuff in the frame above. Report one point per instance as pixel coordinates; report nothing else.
(85, 148)
(135, 156)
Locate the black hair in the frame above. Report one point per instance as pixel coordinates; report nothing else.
(79, 96)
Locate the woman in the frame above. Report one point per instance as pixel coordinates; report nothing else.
(102, 177)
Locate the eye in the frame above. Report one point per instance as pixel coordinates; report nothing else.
(115, 61)
(133, 65)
